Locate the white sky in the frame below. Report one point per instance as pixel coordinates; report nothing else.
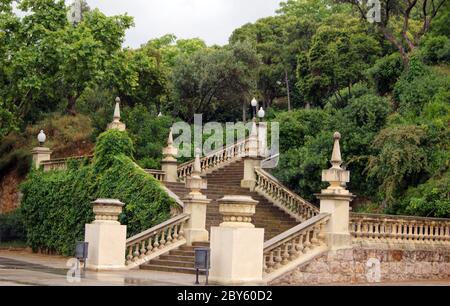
(210, 20)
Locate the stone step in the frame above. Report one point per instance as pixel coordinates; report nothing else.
(177, 258)
(183, 270)
(170, 263)
(182, 253)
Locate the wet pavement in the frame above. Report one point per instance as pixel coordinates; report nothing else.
(23, 268)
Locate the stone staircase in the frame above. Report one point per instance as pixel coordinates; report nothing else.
(180, 260)
(227, 181)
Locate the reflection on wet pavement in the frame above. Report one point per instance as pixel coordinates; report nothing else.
(13, 264)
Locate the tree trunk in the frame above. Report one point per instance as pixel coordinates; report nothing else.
(244, 111)
(288, 90)
(71, 102)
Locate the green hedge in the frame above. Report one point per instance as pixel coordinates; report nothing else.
(57, 204)
(11, 227)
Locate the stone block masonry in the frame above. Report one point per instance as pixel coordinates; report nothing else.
(358, 265)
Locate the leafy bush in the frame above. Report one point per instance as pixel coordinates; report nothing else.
(13, 159)
(57, 204)
(431, 199)
(385, 73)
(11, 227)
(436, 49)
(417, 87)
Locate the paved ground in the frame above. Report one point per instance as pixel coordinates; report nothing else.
(22, 268)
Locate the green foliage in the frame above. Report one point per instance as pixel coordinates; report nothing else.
(436, 49)
(57, 204)
(431, 199)
(11, 227)
(385, 73)
(109, 145)
(55, 207)
(401, 159)
(149, 133)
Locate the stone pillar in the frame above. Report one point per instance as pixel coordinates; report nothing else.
(41, 154)
(252, 160)
(237, 247)
(169, 164)
(262, 139)
(116, 124)
(336, 201)
(195, 205)
(106, 237)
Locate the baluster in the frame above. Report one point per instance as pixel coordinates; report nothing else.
(149, 245)
(156, 243)
(286, 254)
(169, 235)
(181, 231)
(307, 242)
(314, 240)
(176, 228)
(278, 258)
(162, 241)
(142, 250)
(136, 251)
(130, 255)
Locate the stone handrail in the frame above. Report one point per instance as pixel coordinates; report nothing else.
(61, 163)
(157, 174)
(291, 203)
(156, 241)
(399, 229)
(216, 159)
(295, 244)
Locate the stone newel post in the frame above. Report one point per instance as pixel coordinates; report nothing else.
(195, 205)
(169, 164)
(252, 160)
(336, 200)
(116, 124)
(237, 247)
(106, 237)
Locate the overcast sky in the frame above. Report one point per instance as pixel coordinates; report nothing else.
(210, 20)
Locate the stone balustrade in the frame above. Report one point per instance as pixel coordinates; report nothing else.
(294, 205)
(215, 159)
(399, 229)
(61, 163)
(156, 241)
(157, 174)
(291, 245)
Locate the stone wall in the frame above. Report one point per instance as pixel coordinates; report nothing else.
(352, 266)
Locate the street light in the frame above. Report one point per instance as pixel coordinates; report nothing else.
(41, 138)
(254, 105)
(261, 113)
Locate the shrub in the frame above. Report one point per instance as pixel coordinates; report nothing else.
(431, 199)
(11, 227)
(436, 49)
(385, 73)
(57, 204)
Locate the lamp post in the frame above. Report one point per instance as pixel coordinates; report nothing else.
(254, 105)
(42, 138)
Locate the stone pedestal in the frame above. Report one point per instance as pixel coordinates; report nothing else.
(195, 205)
(106, 237)
(262, 139)
(249, 180)
(116, 124)
(237, 247)
(41, 154)
(335, 200)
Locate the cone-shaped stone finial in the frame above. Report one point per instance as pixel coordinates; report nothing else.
(336, 158)
(117, 110)
(197, 165)
(170, 139)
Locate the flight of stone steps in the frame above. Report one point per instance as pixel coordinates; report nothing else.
(225, 181)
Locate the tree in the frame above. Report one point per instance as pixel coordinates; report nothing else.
(214, 79)
(341, 50)
(406, 35)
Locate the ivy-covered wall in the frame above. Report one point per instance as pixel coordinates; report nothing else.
(56, 205)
